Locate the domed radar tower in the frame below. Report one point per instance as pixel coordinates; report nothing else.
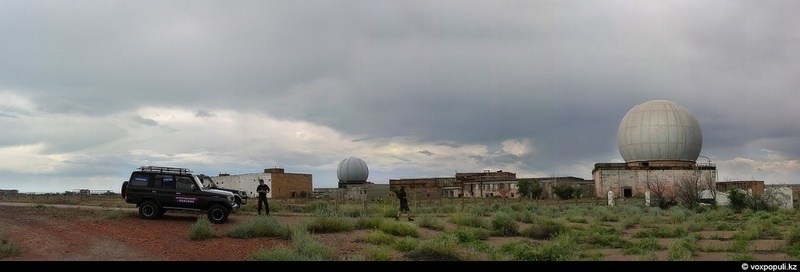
(659, 132)
(352, 171)
(660, 142)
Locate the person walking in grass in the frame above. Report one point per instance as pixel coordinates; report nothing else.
(403, 204)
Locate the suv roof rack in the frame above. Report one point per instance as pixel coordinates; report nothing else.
(163, 169)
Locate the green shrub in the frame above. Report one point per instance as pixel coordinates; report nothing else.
(304, 248)
(369, 222)
(526, 216)
(353, 212)
(740, 245)
(378, 237)
(311, 249)
(643, 246)
(604, 240)
(468, 220)
(318, 206)
(630, 222)
(603, 229)
(444, 247)
(650, 221)
(504, 224)
(468, 234)
(679, 215)
(724, 226)
(683, 250)
(757, 229)
(261, 226)
(202, 230)
(661, 232)
(401, 229)
(793, 236)
(606, 215)
(478, 210)
(430, 222)
(330, 224)
(560, 248)
(544, 229)
(406, 244)
(277, 253)
(378, 253)
(8, 248)
(116, 214)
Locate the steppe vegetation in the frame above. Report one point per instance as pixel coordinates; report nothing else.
(7, 247)
(501, 229)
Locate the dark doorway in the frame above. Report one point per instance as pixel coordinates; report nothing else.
(627, 192)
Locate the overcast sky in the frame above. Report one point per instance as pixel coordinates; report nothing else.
(90, 90)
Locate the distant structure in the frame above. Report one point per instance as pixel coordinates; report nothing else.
(585, 186)
(487, 183)
(12, 192)
(282, 184)
(660, 142)
(352, 171)
(755, 187)
(353, 185)
(90, 191)
(426, 188)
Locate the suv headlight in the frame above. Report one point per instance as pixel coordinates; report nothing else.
(231, 199)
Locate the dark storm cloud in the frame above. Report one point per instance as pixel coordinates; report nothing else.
(449, 74)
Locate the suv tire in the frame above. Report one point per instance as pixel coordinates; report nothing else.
(149, 210)
(217, 214)
(124, 190)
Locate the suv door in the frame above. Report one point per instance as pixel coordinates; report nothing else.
(138, 184)
(185, 194)
(164, 190)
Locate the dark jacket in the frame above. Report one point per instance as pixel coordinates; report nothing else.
(264, 187)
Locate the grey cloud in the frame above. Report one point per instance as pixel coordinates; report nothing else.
(204, 113)
(561, 74)
(145, 121)
(8, 115)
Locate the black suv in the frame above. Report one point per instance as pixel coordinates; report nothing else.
(208, 182)
(156, 190)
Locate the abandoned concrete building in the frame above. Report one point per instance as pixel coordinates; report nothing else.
(282, 184)
(756, 187)
(486, 184)
(660, 142)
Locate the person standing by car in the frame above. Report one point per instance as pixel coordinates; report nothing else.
(262, 190)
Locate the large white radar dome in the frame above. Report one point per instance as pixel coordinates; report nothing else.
(352, 170)
(659, 130)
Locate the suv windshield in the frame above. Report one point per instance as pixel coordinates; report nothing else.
(198, 181)
(206, 182)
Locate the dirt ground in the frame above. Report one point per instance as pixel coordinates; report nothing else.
(46, 233)
(86, 233)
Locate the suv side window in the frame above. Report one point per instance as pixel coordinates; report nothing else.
(165, 181)
(140, 180)
(185, 184)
